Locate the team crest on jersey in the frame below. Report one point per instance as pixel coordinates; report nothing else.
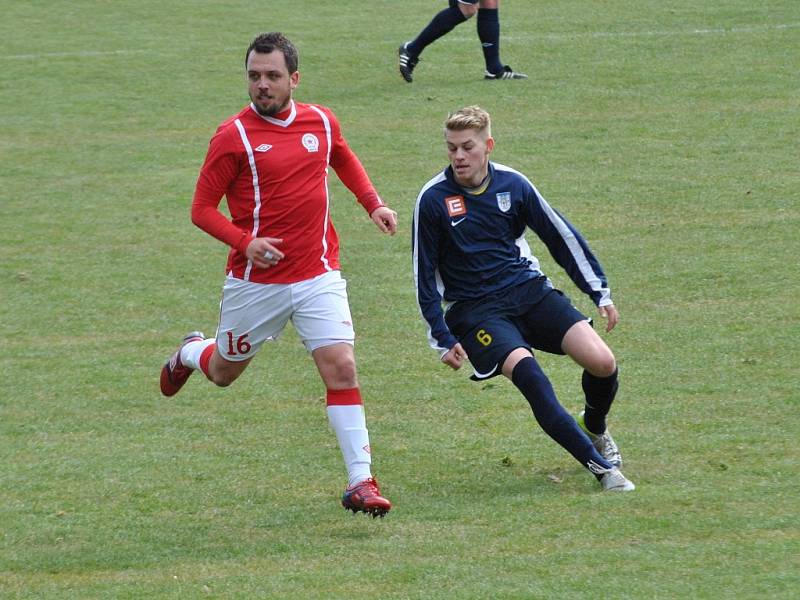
(455, 205)
(310, 142)
(504, 201)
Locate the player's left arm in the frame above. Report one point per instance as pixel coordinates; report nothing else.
(354, 176)
(385, 218)
(568, 248)
(610, 314)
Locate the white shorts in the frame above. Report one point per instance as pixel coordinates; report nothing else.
(252, 313)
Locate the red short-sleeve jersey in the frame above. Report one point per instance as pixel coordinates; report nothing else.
(273, 172)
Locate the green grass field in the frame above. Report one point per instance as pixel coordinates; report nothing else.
(668, 132)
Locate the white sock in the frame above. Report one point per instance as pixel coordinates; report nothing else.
(350, 425)
(190, 353)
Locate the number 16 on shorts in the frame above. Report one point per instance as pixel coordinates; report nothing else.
(238, 345)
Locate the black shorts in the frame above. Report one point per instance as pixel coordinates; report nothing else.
(530, 315)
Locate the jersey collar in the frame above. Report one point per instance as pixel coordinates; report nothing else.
(279, 122)
(476, 191)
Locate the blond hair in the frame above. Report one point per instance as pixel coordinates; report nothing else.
(469, 117)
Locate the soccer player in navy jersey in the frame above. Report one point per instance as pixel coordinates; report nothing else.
(471, 256)
(445, 21)
(271, 161)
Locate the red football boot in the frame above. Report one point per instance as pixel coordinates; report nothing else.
(174, 373)
(366, 497)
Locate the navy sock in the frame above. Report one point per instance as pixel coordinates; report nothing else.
(489, 34)
(599, 392)
(441, 24)
(552, 417)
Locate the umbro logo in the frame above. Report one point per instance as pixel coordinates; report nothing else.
(263, 148)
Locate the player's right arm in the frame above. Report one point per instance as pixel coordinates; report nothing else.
(455, 357)
(425, 243)
(217, 175)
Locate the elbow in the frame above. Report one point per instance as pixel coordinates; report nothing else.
(196, 215)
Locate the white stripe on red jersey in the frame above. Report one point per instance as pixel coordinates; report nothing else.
(256, 188)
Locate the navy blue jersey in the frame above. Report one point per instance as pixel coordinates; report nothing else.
(467, 246)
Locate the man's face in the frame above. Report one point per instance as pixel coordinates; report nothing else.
(269, 83)
(468, 151)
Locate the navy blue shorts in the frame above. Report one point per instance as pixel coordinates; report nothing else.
(530, 315)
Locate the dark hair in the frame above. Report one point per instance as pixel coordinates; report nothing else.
(265, 43)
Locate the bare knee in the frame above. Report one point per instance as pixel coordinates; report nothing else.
(602, 365)
(468, 10)
(337, 366)
(586, 348)
(342, 374)
(513, 359)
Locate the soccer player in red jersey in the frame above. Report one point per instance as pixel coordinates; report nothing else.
(271, 162)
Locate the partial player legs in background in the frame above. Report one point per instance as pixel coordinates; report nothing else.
(489, 35)
(506, 73)
(443, 22)
(407, 63)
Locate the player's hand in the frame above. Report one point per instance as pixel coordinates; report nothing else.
(611, 315)
(455, 357)
(385, 218)
(263, 252)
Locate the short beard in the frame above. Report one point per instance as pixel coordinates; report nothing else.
(271, 110)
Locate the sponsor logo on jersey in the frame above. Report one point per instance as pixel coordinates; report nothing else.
(504, 201)
(458, 222)
(310, 142)
(263, 148)
(455, 205)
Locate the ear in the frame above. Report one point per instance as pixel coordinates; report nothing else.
(489, 145)
(294, 79)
